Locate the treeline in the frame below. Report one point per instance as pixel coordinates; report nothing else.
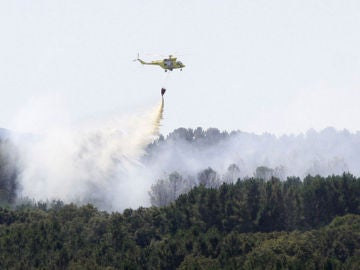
(169, 188)
(250, 224)
(326, 152)
(254, 205)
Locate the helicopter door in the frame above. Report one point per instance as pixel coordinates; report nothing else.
(168, 63)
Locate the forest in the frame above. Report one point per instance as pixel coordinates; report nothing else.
(206, 220)
(250, 224)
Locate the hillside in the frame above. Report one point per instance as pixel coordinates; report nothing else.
(252, 224)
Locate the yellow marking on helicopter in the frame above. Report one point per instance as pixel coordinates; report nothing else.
(167, 63)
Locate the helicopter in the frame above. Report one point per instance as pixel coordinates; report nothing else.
(167, 63)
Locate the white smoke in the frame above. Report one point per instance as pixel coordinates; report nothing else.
(105, 163)
(325, 153)
(97, 162)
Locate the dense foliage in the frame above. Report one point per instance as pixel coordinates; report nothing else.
(251, 224)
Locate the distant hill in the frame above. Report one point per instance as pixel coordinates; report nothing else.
(324, 152)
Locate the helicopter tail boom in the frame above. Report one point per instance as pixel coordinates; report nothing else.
(142, 61)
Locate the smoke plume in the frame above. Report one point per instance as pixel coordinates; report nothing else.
(97, 163)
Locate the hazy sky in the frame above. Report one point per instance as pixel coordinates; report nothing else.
(275, 66)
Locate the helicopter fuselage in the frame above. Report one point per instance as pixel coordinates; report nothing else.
(167, 63)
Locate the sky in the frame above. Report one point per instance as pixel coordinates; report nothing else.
(258, 66)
